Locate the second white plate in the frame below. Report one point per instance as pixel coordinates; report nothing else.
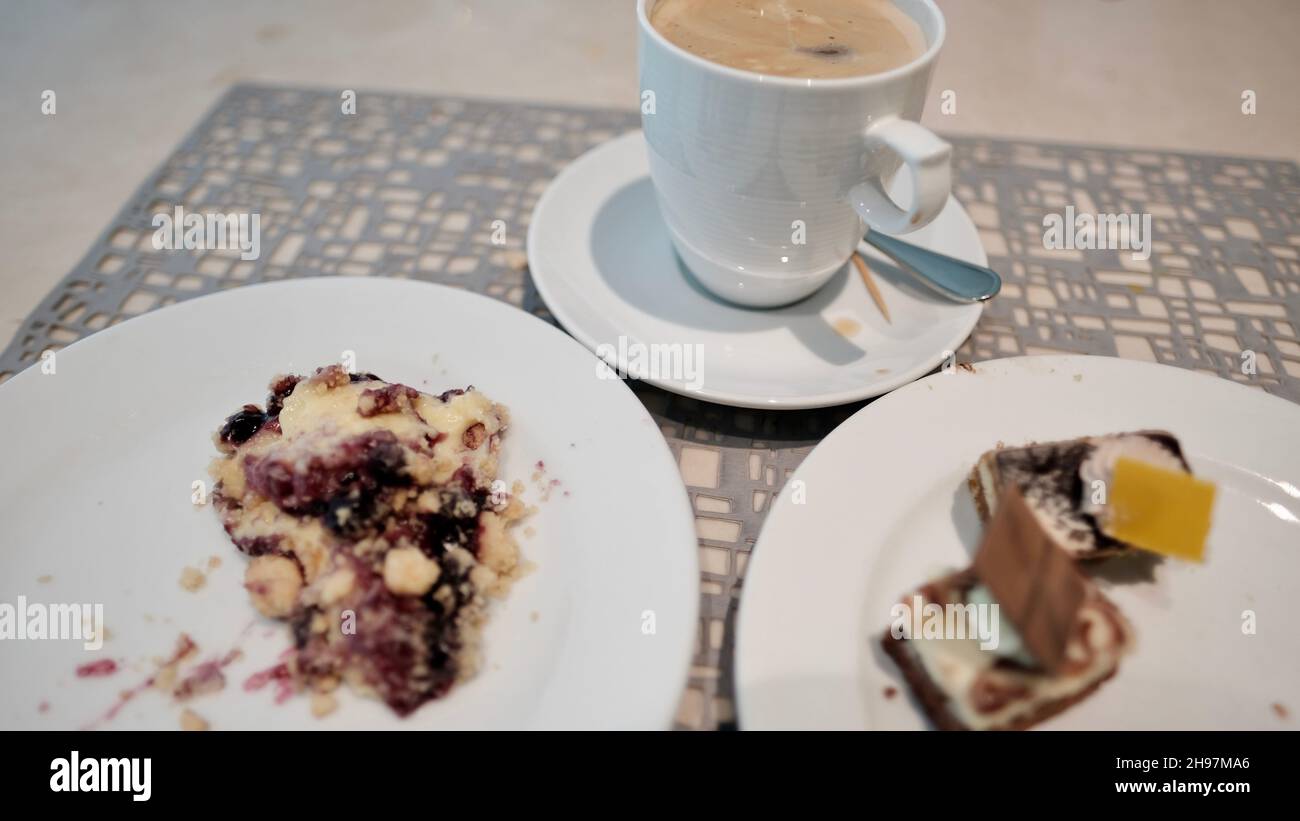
(885, 509)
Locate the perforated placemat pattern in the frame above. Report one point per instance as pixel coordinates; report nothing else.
(442, 189)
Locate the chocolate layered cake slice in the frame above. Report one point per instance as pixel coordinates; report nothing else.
(1065, 483)
(1016, 638)
(373, 526)
(962, 686)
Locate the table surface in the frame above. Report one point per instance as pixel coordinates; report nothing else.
(1224, 277)
(132, 79)
(410, 185)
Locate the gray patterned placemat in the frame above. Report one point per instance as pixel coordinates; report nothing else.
(441, 190)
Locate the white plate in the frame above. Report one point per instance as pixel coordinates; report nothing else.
(100, 456)
(601, 258)
(887, 509)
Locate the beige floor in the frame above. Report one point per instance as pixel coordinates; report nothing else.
(132, 77)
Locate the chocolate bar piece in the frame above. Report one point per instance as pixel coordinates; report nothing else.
(1034, 582)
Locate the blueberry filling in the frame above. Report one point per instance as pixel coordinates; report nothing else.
(240, 426)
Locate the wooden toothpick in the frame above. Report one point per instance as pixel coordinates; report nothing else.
(870, 282)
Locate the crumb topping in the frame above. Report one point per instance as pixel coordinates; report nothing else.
(408, 572)
(273, 583)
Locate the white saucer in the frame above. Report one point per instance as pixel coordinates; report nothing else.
(601, 258)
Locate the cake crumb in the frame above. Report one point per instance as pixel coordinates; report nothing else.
(192, 579)
(1280, 709)
(534, 616)
(94, 669)
(1078, 377)
(214, 562)
(846, 327)
(205, 678)
(322, 704)
(43, 707)
(46, 579)
(890, 692)
(165, 678)
(192, 721)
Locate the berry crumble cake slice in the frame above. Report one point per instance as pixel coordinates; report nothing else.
(368, 511)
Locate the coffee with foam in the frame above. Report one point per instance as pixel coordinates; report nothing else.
(793, 38)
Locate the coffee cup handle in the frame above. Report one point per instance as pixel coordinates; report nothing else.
(926, 157)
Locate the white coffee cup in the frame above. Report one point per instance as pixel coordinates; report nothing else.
(765, 182)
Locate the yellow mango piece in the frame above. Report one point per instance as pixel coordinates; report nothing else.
(1164, 511)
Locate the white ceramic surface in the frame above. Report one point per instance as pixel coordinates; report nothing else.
(765, 182)
(887, 509)
(96, 496)
(602, 259)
